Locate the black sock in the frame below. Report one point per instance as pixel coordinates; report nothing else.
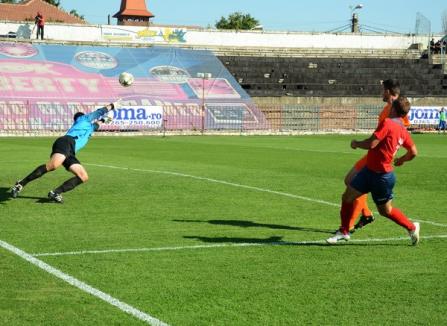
(37, 173)
(68, 185)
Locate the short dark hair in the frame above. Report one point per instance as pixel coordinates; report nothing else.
(402, 106)
(77, 115)
(393, 86)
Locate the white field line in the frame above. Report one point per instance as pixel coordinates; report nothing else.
(83, 286)
(432, 223)
(219, 181)
(239, 186)
(352, 152)
(220, 245)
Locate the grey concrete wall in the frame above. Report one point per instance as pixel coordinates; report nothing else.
(339, 101)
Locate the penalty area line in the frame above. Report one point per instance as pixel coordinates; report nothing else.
(220, 245)
(83, 286)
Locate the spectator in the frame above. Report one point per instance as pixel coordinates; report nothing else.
(442, 123)
(39, 21)
(432, 45)
(438, 46)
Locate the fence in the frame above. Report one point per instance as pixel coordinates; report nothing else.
(46, 119)
(37, 119)
(322, 118)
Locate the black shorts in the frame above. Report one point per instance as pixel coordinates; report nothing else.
(65, 145)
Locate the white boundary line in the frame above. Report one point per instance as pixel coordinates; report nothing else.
(432, 223)
(83, 286)
(238, 185)
(219, 181)
(220, 245)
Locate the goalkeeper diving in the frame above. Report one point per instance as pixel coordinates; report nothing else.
(64, 152)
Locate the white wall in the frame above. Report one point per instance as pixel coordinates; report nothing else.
(164, 35)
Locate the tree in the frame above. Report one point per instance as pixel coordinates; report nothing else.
(53, 2)
(8, 1)
(237, 20)
(75, 13)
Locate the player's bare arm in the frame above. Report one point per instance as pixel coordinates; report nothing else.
(368, 143)
(408, 156)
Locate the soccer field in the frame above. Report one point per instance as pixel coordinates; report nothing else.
(217, 230)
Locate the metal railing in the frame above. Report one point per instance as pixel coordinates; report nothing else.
(23, 120)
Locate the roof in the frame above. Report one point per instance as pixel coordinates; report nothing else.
(133, 8)
(27, 10)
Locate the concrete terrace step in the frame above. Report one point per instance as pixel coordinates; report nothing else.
(261, 51)
(318, 53)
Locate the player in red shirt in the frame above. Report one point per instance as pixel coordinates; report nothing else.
(391, 91)
(378, 176)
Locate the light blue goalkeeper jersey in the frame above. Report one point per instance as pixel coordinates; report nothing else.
(84, 127)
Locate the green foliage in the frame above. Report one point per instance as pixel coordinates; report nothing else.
(238, 21)
(53, 2)
(276, 279)
(75, 13)
(8, 1)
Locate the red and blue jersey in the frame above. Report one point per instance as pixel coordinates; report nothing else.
(392, 134)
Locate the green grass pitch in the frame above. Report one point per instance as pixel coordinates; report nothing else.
(224, 231)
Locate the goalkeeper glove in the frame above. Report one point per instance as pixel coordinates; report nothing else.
(117, 104)
(106, 119)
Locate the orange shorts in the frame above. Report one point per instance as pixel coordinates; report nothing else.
(360, 164)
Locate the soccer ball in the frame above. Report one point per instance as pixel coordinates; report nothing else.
(126, 79)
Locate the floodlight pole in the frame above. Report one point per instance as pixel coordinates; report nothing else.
(203, 76)
(355, 18)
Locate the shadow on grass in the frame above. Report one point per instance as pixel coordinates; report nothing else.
(43, 200)
(277, 241)
(5, 195)
(271, 241)
(250, 224)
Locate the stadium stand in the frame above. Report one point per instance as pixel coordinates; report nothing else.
(325, 73)
(252, 88)
(331, 82)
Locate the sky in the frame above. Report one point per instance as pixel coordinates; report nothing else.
(284, 15)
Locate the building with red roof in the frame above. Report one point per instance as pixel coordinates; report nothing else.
(133, 13)
(27, 10)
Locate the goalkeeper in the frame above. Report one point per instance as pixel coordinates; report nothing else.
(64, 153)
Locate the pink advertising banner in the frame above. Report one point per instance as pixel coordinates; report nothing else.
(42, 85)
